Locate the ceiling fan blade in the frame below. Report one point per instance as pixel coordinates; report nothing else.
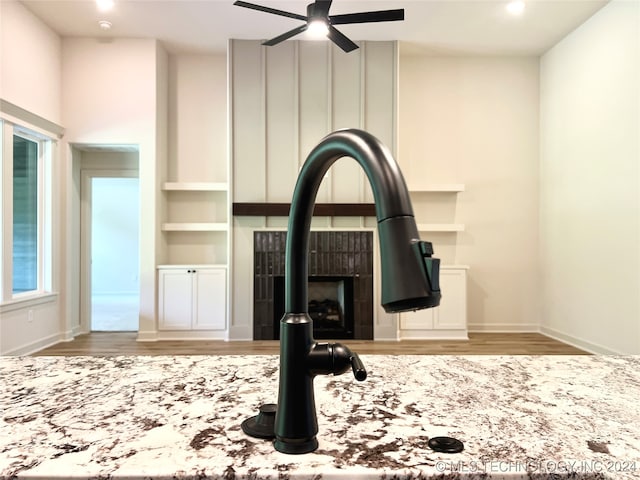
(340, 40)
(368, 17)
(286, 35)
(260, 8)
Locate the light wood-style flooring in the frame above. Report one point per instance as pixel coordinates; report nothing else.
(124, 343)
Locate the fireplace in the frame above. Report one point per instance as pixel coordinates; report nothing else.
(340, 284)
(330, 306)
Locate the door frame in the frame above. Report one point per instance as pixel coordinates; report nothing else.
(86, 176)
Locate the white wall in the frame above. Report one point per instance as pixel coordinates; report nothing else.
(30, 55)
(589, 190)
(30, 77)
(475, 121)
(113, 93)
(197, 118)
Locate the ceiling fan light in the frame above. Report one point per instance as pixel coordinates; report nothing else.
(104, 5)
(516, 7)
(318, 28)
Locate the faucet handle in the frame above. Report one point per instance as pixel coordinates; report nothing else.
(334, 358)
(358, 367)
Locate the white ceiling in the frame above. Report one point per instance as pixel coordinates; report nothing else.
(474, 27)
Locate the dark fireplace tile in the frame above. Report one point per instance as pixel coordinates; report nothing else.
(340, 254)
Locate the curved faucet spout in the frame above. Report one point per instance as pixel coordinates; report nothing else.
(409, 275)
(408, 271)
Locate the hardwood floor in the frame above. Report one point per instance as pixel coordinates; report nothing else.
(124, 343)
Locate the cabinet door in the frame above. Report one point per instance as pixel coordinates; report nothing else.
(174, 310)
(452, 312)
(418, 320)
(209, 299)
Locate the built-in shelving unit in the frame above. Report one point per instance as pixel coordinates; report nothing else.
(193, 279)
(418, 193)
(196, 222)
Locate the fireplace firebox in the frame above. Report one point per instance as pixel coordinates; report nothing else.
(340, 284)
(330, 306)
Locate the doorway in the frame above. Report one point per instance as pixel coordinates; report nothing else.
(110, 217)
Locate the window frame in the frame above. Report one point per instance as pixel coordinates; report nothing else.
(44, 212)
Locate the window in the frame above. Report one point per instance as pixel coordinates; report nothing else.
(26, 233)
(25, 215)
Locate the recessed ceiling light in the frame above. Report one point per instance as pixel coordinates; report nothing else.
(515, 7)
(105, 25)
(104, 5)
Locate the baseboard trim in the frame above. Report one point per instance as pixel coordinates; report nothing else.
(504, 327)
(192, 335)
(580, 343)
(151, 336)
(433, 335)
(36, 345)
(240, 334)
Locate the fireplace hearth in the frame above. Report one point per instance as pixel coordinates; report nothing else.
(340, 284)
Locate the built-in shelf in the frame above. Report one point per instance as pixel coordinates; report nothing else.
(196, 186)
(440, 227)
(437, 187)
(194, 227)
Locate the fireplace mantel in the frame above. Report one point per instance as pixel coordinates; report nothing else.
(271, 209)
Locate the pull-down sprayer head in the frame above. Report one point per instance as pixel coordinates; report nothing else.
(409, 273)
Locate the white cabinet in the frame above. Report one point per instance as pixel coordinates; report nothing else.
(449, 320)
(192, 297)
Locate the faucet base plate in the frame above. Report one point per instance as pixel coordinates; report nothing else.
(296, 446)
(261, 426)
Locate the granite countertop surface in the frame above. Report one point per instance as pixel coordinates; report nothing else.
(179, 417)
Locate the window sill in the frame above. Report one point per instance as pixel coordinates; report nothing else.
(28, 301)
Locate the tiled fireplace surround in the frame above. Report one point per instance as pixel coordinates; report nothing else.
(346, 255)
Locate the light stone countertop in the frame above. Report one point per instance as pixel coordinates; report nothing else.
(179, 417)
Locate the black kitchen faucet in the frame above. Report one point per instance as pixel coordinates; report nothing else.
(409, 274)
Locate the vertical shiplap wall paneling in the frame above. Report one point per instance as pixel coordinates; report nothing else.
(287, 98)
(346, 103)
(284, 100)
(380, 98)
(249, 172)
(249, 152)
(347, 175)
(364, 187)
(314, 98)
(281, 122)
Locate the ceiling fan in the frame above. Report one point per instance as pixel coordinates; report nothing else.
(318, 17)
